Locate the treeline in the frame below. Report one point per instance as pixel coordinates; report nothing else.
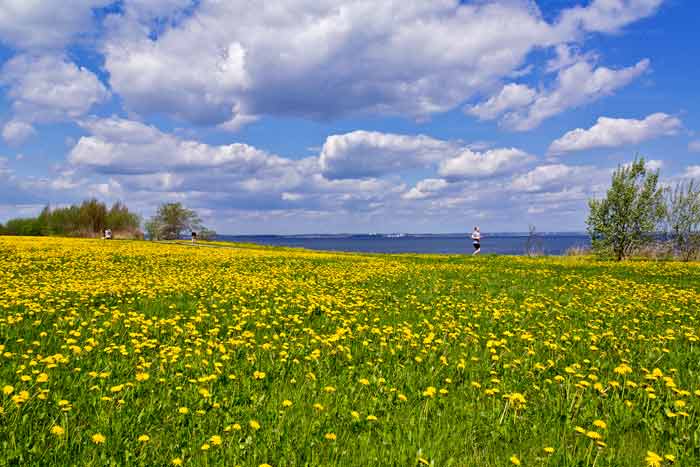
(88, 219)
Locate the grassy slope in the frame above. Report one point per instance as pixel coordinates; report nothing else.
(337, 334)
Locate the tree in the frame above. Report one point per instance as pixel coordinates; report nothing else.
(172, 220)
(629, 214)
(93, 216)
(682, 218)
(120, 218)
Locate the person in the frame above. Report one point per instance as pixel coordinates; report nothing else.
(476, 239)
(194, 236)
(108, 234)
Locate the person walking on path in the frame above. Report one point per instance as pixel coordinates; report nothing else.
(476, 239)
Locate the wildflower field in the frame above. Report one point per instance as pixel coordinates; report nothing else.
(134, 353)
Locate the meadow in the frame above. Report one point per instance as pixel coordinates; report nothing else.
(135, 353)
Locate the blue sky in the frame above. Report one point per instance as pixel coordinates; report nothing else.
(327, 116)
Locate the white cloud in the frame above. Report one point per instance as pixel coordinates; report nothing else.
(512, 96)
(692, 171)
(368, 154)
(426, 188)
(46, 24)
(16, 132)
(615, 132)
(328, 59)
(470, 164)
(607, 15)
(694, 146)
(576, 85)
(544, 176)
(129, 147)
(48, 88)
(566, 56)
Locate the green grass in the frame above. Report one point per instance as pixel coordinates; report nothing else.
(203, 322)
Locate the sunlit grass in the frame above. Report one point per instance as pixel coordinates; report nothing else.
(132, 353)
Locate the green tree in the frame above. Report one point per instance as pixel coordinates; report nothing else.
(682, 218)
(119, 218)
(93, 216)
(629, 214)
(172, 220)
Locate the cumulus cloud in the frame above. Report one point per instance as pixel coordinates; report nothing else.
(367, 154)
(233, 58)
(426, 188)
(512, 96)
(692, 171)
(574, 86)
(16, 132)
(124, 146)
(614, 132)
(36, 24)
(48, 88)
(607, 15)
(471, 164)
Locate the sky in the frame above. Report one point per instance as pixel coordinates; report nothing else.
(329, 116)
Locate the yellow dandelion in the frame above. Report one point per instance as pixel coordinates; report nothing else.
(144, 438)
(653, 459)
(330, 436)
(98, 438)
(254, 424)
(57, 430)
(514, 460)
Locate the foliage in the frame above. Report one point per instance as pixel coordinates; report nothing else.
(682, 218)
(23, 226)
(89, 219)
(629, 214)
(172, 220)
(133, 353)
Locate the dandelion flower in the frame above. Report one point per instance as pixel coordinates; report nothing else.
(57, 430)
(144, 438)
(254, 424)
(600, 424)
(514, 460)
(176, 461)
(330, 436)
(653, 459)
(286, 403)
(98, 438)
(215, 440)
(549, 450)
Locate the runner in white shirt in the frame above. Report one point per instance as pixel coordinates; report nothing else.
(476, 238)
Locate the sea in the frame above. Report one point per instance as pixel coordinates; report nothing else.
(549, 243)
